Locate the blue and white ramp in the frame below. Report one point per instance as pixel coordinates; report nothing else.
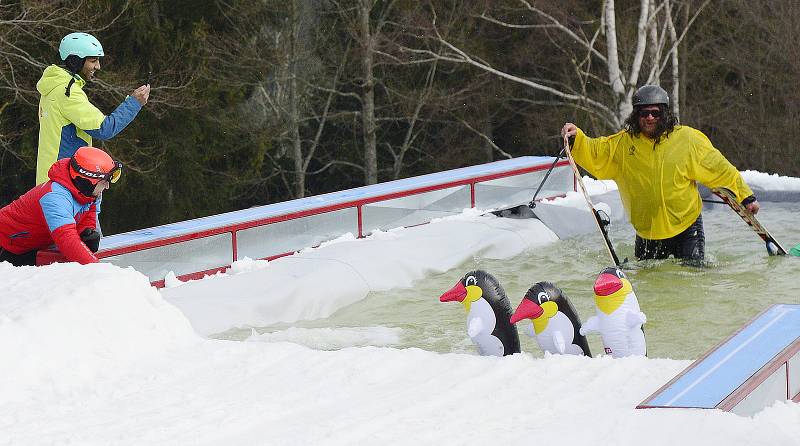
(745, 373)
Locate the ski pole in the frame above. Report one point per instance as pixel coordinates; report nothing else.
(592, 209)
(532, 203)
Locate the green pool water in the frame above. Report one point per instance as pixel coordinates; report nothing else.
(689, 309)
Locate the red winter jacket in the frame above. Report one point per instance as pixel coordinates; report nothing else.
(52, 212)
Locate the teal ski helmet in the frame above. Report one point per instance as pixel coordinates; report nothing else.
(74, 49)
(81, 45)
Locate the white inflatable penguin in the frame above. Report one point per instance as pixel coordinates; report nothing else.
(555, 323)
(488, 313)
(619, 319)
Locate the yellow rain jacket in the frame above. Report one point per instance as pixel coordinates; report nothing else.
(658, 181)
(69, 122)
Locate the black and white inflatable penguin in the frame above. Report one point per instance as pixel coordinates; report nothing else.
(554, 321)
(488, 313)
(618, 317)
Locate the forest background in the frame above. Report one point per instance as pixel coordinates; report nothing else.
(260, 101)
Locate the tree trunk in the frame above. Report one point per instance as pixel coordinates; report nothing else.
(368, 96)
(612, 55)
(683, 60)
(294, 108)
(674, 61)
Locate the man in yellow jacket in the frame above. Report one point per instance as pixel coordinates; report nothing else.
(657, 164)
(67, 120)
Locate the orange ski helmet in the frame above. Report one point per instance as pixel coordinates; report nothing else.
(90, 165)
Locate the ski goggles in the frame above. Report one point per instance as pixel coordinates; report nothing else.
(112, 176)
(654, 113)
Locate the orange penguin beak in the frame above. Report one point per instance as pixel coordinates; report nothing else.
(527, 309)
(607, 284)
(457, 293)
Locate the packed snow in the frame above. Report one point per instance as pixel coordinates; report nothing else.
(770, 181)
(93, 355)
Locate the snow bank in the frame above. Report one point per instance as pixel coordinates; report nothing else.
(315, 283)
(65, 325)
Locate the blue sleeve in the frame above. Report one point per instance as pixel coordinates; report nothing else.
(98, 202)
(117, 120)
(58, 208)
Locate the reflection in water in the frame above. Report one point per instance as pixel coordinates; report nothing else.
(688, 309)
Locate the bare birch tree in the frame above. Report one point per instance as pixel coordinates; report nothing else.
(594, 48)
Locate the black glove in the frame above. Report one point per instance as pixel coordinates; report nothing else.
(91, 238)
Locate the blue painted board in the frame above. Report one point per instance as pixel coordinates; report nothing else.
(711, 379)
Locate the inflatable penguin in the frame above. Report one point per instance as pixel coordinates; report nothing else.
(555, 323)
(619, 319)
(488, 313)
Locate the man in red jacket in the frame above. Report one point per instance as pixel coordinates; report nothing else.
(62, 210)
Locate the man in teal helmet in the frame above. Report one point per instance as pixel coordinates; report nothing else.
(67, 120)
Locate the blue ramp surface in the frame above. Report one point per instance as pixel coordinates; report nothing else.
(710, 379)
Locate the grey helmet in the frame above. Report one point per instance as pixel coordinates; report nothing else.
(650, 95)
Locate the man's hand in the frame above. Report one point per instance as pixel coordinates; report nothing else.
(751, 204)
(91, 238)
(142, 94)
(753, 207)
(569, 129)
